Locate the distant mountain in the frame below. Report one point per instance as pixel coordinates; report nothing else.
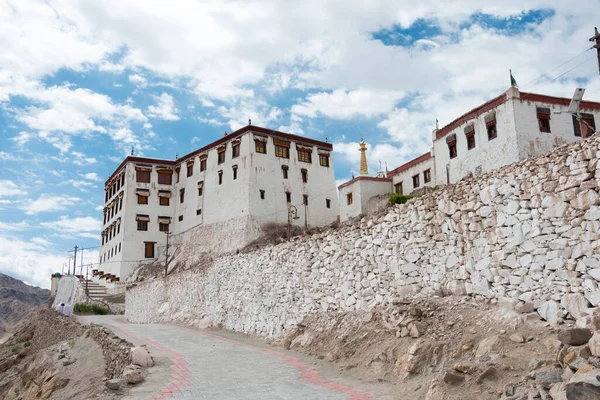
(17, 299)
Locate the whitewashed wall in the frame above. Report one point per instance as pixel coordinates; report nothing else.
(487, 154)
(406, 176)
(362, 190)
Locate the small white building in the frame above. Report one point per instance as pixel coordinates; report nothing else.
(413, 175)
(221, 197)
(506, 129)
(355, 194)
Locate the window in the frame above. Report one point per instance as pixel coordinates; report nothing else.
(180, 218)
(452, 149)
(492, 133)
(427, 176)
(221, 156)
(163, 227)
(177, 170)
(398, 188)
(190, 169)
(284, 170)
(142, 225)
(199, 211)
(200, 188)
(181, 195)
(305, 155)
(415, 181)
(120, 204)
(349, 198)
(163, 200)
(149, 249)
(142, 175)
(262, 194)
(324, 160)
(328, 203)
(119, 247)
(165, 177)
(282, 148)
(220, 177)
(304, 175)
(470, 134)
(235, 172)
(305, 199)
(585, 126)
(142, 197)
(543, 115)
(203, 164)
(103, 240)
(119, 227)
(288, 197)
(235, 150)
(260, 146)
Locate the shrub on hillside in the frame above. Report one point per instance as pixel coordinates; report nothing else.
(82, 308)
(396, 198)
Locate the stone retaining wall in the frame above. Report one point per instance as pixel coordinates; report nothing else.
(528, 232)
(117, 351)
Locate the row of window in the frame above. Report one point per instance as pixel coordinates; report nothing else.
(111, 232)
(110, 253)
(582, 127)
(114, 188)
(113, 210)
(416, 181)
(282, 150)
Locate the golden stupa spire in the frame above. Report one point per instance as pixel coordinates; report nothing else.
(364, 169)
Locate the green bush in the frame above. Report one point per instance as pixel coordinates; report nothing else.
(396, 198)
(27, 344)
(14, 349)
(83, 308)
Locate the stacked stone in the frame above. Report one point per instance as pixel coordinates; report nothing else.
(527, 233)
(116, 351)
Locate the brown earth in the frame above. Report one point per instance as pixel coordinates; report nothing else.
(51, 357)
(454, 347)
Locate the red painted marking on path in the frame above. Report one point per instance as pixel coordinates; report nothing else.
(307, 373)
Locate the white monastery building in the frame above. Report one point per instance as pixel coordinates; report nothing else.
(511, 127)
(220, 197)
(506, 129)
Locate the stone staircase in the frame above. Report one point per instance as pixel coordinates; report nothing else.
(95, 290)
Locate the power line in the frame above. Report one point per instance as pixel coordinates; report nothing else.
(557, 67)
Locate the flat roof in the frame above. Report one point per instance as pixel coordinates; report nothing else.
(409, 164)
(233, 135)
(364, 178)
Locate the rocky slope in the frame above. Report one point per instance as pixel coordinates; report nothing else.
(16, 300)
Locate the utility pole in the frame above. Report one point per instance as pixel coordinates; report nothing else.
(596, 38)
(167, 255)
(81, 262)
(75, 260)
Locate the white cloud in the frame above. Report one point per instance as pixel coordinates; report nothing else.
(47, 203)
(138, 80)
(9, 188)
(164, 109)
(22, 138)
(75, 226)
(92, 176)
(81, 159)
(13, 226)
(383, 152)
(341, 104)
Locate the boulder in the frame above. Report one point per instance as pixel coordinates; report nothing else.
(114, 384)
(594, 344)
(517, 338)
(141, 357)
(133, 374)
(582, 391)
(486, 346)
(574, 336)
(524, 308)
(576, 304)
(546, 377)
(452, 378)
(550, 311)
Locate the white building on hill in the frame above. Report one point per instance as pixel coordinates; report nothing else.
(221, 197)
(504, 130)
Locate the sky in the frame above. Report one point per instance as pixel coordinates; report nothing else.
(84, 82)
